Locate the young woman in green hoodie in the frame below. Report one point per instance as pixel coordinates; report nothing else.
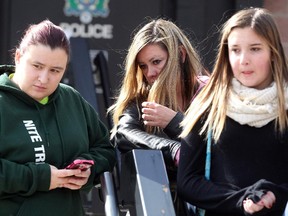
(46, 125)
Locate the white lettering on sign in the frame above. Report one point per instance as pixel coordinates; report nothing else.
(97, 31)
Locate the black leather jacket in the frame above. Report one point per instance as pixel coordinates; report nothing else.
(132, 135)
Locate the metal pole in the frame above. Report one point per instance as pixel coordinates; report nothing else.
(108, 191)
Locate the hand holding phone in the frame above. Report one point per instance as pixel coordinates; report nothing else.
(80, 164)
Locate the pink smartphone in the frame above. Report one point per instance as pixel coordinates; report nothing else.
(80, 164)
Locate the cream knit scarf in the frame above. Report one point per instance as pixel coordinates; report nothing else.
(252, 106)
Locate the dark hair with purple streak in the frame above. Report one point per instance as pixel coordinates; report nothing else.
(45, 33)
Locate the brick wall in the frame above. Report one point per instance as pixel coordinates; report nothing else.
(280, 10)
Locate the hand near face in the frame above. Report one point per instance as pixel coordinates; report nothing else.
(156, 115)
(73, 179)
(266, 201)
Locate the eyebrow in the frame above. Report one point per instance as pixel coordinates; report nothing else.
(257, 44)
(54, 67)
(253, 44)
(59, 68)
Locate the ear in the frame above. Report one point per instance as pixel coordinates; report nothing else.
(17, 56)
(183, 53)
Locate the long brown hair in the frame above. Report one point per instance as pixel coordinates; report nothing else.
(213, 98)
(134, 86)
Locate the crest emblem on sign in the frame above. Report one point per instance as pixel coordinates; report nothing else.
(86, 9)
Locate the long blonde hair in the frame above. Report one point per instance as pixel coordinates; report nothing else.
(134, 85)
(212, 100)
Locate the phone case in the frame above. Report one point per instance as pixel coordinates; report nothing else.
(80, 164)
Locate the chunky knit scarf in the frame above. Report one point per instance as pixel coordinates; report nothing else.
(252, 106)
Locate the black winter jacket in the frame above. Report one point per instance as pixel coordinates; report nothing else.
(131, 135)
(245, 162)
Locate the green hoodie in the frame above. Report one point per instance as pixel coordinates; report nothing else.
(33, 135)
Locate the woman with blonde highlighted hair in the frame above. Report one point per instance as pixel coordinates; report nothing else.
(163, 72)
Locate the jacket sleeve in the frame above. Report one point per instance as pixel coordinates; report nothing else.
(194, 188)
(22, 179)
(101, 149)
(131, 134)
(173, 129)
